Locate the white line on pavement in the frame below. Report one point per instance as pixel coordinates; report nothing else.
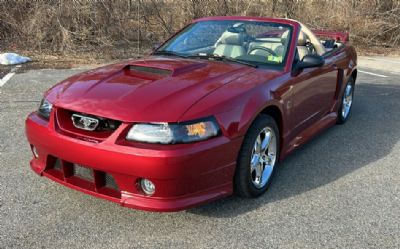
(6, 78)
(374, 74)
(385, 60)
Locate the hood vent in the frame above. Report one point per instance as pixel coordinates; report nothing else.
(150, 70)
(174, 71)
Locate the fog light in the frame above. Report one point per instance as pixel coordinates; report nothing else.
(147, 186)
(35, 152)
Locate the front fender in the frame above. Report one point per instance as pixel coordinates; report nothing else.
(235, 109)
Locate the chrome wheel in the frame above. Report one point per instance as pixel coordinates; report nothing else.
(347, 100)
(263, 157)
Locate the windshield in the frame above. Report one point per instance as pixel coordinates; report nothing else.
(259, 43)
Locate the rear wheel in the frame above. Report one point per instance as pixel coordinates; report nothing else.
(346, 103)
(257, 158)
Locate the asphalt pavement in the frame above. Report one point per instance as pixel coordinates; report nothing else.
(341, 190)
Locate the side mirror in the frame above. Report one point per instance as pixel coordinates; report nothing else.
(310, 60)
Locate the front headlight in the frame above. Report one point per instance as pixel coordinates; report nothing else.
(173, 133)
(45, 108)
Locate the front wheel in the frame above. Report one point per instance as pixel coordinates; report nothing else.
(346, 103)
(257, 158)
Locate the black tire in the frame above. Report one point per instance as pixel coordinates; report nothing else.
(243, 185)
(341, 118)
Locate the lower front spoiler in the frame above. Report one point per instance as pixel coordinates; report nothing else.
(143, 203)
(176, 204)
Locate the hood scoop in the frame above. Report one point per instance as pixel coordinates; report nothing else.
(168, 70)
(149, 70)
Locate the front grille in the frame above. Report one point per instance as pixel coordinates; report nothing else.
(57, 165)
(104, 124)
(83, 172)
(110, 182)
(65, 125)
(83, 176)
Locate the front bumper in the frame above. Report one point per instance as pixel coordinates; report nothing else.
(185, 175)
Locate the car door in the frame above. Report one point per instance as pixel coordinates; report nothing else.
(313, 94)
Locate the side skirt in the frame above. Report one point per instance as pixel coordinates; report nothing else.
(306, 135)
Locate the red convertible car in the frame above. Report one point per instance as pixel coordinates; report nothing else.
(209, 113)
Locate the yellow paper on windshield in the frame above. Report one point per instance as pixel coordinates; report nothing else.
(277, 59)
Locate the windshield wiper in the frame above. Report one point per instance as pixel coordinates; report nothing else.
(222, 58)
(169, 53)
(205, 56)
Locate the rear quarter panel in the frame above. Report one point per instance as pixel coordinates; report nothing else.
(346, 61)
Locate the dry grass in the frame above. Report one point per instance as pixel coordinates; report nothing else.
(96, 30)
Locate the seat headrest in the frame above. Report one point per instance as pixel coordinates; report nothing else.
(302, 40)
(232, 38)
(285, 37)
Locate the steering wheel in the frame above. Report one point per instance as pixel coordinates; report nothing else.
(270, 51)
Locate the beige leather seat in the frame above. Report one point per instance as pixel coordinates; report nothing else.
(278, 47)
(319, 48)
(281, 49)
(263, 44)
(301, 45)
(230, 44)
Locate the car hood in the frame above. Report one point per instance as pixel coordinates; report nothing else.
(156, 89)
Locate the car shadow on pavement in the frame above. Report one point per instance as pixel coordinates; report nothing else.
(369, 135)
